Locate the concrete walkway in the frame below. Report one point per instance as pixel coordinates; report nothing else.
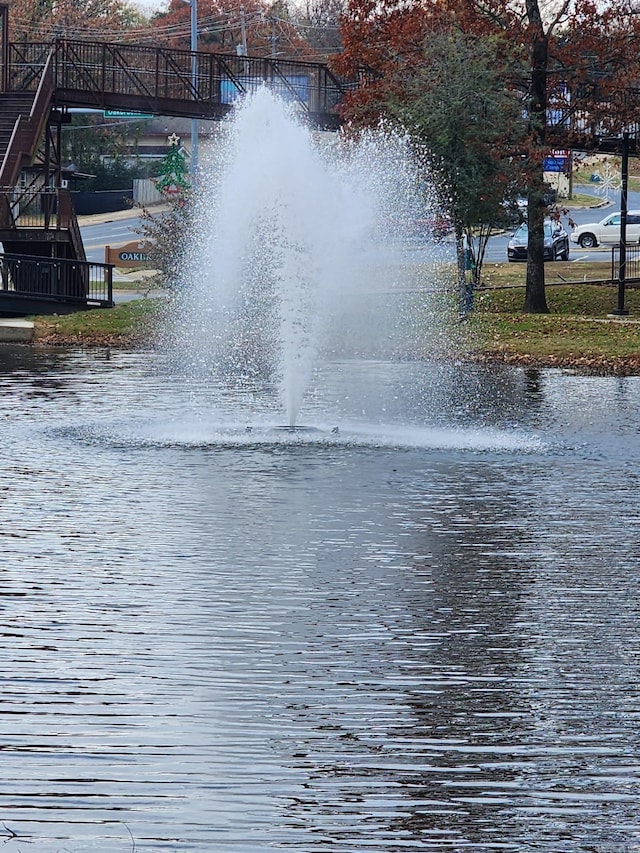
(117, 215)
(15, 330)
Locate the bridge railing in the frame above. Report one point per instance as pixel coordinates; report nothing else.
(151, 74)
(44, 208)
(81, 282)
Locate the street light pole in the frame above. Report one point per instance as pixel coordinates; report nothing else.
(620, 310)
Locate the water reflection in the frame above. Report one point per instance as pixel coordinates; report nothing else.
(319, 646)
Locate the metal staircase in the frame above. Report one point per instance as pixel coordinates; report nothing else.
(13, 105)
(43, 266)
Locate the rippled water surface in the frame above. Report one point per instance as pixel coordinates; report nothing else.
(419, 632)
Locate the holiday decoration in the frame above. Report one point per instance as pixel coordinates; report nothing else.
(172, 178)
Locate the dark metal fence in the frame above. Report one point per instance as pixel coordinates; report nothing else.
(632, 263)
(88, 284)
(41, 208)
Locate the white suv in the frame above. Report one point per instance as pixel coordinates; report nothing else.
(607, 231)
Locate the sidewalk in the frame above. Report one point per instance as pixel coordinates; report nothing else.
(15, 330)
(117, 215)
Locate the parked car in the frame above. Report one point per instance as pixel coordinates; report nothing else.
(556, 242)
(607, 231)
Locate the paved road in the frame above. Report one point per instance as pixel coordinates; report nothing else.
(107, 229)
(113, 229)
(497, 248)
(117, 228)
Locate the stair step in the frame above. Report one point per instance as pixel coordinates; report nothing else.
(12, 105)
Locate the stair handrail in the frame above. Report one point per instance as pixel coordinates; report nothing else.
(67, 219)
(27, 131)
(28, 207)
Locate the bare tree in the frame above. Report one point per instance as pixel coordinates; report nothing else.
(319, 20)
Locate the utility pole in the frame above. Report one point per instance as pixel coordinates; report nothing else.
(194, 82)
(194, 85)
(243, 26)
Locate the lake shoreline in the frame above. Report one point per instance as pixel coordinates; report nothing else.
(598, 365)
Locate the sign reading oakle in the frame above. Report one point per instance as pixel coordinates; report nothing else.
(134, 255)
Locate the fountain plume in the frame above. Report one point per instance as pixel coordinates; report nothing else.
(284, 224)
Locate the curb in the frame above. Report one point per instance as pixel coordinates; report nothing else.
(604, 203)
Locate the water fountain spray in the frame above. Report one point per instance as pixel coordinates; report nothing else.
(286, 226)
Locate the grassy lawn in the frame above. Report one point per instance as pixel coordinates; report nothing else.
(129, 324)
(583, 175)
(576, 333)
(560, 272)
(579, 199)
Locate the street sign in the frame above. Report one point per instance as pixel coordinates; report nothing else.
(134, 255)
(555, 164)
(125, 114)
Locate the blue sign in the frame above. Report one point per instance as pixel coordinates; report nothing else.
(555, 164)
(293, 87)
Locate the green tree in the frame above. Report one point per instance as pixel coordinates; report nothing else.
(466, 129)
(106, 150)
(88, 139)
(569, 64)
(172, 178)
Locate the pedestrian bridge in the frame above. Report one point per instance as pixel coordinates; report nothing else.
(44, 267)
(165, 81)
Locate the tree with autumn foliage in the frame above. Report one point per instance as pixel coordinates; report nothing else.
(319, 22)
(582, 59)
(106, 20)
(567, 64)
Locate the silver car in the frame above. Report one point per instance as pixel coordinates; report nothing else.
(607, 231)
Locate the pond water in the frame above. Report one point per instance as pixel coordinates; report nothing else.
(417, 633)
